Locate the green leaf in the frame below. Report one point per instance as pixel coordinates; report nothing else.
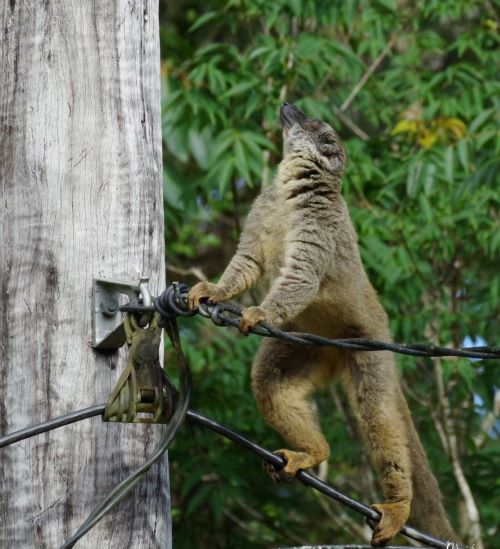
(429, 172)
(466, 371)
(463, 154)
(225, 170)
(241, 160)
(203, 20)
(257, 52)
(222, 144)
(449, 164)
(385, 5)
(240, 88)
(413, 178)
(480, 119)
(426, 208)
(201, 495)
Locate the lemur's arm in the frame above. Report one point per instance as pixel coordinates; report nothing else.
(245, 267)
(243, 270)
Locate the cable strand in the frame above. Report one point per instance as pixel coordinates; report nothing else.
(45, 426)
(173, 302)
(275, 460)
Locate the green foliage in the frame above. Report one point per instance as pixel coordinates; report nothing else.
(422, 185)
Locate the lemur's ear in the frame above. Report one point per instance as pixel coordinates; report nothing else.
(328, 150)
(335, 155)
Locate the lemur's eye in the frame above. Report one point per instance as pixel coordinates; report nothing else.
(328, 150)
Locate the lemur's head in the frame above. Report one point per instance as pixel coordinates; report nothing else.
(311, 138)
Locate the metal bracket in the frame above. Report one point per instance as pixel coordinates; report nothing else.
(107, 321)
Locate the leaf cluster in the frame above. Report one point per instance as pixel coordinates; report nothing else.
(422, 185)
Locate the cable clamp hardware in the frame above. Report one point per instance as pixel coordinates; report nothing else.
(143, 393)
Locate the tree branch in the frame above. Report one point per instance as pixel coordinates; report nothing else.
(194, 271)
(470, 504)
(350, 124)
(371, 69)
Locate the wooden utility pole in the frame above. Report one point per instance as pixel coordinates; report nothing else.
(80, 180)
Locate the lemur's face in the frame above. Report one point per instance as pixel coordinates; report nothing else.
(311, 138)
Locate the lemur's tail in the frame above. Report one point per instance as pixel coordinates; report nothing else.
(427, 511)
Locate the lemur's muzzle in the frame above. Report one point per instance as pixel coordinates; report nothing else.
(290, 115)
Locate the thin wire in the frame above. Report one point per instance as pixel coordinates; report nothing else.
(173, 302)
(358, 344)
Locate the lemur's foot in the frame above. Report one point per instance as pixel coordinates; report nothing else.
(205, 291)
(394, 517)
(295, 462)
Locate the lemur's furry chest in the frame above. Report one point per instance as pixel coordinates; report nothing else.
(273, 241)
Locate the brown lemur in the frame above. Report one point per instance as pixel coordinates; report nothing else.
(299, 238)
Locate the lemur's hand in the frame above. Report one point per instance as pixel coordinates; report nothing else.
(205, 291)
(251, 317)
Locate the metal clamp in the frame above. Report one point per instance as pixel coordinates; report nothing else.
(107, 321)
(143, 393)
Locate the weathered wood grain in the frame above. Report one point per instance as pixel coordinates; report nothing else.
(80, 176)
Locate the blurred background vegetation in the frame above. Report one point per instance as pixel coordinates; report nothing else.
(413, 90)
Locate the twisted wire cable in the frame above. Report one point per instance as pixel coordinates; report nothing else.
(173, 302)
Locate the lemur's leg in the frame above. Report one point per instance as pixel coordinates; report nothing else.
(373, 388)
(283, 378)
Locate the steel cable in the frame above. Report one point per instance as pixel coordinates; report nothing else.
(275, 460)
(173, 302)
(67, 419)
